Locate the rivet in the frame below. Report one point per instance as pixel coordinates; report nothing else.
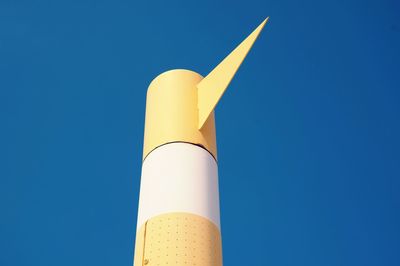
(146, 261)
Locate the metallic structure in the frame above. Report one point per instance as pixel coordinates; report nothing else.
(179, 219)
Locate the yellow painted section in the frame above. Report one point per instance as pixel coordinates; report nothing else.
(139, 246)
(172, 114)
(178, 239)
(180, 103)
(215, 83)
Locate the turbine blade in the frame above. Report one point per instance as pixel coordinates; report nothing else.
(211, 88)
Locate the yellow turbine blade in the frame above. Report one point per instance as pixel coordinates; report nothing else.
(211, 88)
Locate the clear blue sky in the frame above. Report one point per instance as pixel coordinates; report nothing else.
(308, 132)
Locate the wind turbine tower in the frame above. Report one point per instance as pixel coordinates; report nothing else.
(179, 217)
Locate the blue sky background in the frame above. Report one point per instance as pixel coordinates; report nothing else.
(308, 132)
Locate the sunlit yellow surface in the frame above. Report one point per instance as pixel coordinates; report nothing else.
(178, 239)
(180, 103)
(172, 115)
(214, 84)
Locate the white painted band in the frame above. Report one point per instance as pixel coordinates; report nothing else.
(179, 177)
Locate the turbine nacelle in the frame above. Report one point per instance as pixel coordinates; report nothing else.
(180, 103)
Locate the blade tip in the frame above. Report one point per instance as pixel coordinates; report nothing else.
(265, 21)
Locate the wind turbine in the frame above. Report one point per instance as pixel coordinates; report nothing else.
(179, 217)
